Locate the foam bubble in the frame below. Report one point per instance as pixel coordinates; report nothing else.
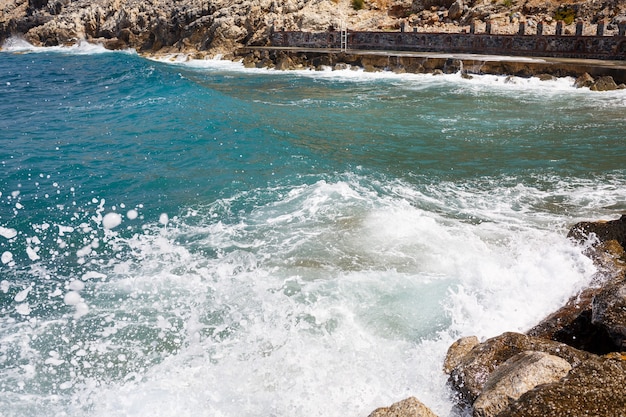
(76, 285)
(93, 274)
(111, 220)
(132, 214)
(164, 219)
(23, 309)
(6, 257)
(72, 298)
(7, 233)
(21, 296)
(32, 253)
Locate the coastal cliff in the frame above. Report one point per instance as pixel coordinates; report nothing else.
(219, 27)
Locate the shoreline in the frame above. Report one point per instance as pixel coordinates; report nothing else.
(423, 62)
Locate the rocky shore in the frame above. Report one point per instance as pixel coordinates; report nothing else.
(571, 364)
(205, 29)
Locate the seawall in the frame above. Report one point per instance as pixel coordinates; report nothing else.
(285, 58)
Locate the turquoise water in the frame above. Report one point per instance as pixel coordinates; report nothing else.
(193, 238)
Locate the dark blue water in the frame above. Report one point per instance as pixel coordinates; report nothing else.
(193, 238)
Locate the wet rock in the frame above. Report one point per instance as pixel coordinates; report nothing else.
(546, 77)
(605, 83)
(516, 376)
(594, 387)
(609, 312)
(602, 230)
(571, 324)
(470, 376)
(410, 407)
(584, 80)
(457, 351)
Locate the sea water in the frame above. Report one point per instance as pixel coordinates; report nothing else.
(191, 238)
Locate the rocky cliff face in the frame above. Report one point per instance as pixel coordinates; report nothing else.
(220, 26)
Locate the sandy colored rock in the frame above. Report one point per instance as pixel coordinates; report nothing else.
(457, 351)
(593, 388)
(584, 80)
(410, 407)
(516, 376)
(604, 84)
(470, 376)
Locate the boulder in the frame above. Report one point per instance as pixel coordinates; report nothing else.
(470, 376)
(602, 230)
(456, 10)
(605, 83)
(609, 312)
(457, 351)
(607, 240)
(594, 387)
(584, 80)
(571, 324)
(518, 375)
(410, 407)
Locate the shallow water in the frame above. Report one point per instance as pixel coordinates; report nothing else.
(194, 238)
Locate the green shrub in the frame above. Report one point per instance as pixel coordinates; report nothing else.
(566, 14)
(507, 3)
(358, 4)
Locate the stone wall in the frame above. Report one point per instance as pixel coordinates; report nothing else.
(559, 46)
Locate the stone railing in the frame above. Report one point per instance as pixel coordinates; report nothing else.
(520, 44)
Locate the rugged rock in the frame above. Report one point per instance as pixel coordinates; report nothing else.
(516, 376)
(470, 376)
(457, 351)
(575, 323)
(456, 10)
(409, 407)
(571, 324)
(221, 26)
(609, 312)
(606, 241)
(593, 388)
(605, 83)
(602, 230)
(584, 80)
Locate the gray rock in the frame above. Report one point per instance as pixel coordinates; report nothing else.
(516, 376)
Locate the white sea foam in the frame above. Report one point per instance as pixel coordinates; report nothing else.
(332, 299)
(111, 220)
(478, 82)
(20, 45)
(7, 232)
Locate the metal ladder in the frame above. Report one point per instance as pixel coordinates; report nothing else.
(344, 37)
